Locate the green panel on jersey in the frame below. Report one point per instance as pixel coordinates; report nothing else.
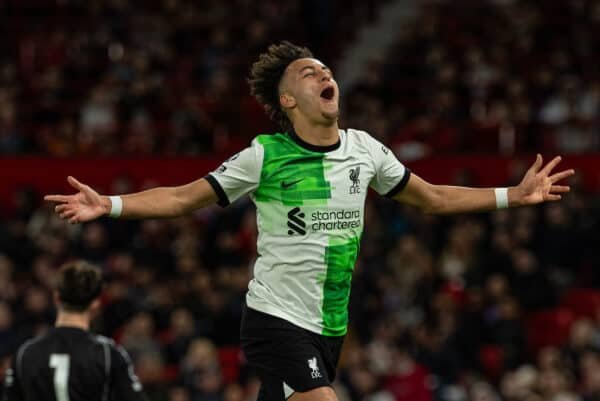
(291, 174)
(340, 260)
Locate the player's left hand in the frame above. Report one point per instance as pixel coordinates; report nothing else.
(539, 184)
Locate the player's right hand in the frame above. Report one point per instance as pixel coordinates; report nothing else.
(83, 206)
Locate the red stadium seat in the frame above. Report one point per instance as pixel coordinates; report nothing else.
(230, 363)
(170, 373)
(492, 359)
(548, 328)
(583, 302)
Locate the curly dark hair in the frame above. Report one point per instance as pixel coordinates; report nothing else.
(266, 73)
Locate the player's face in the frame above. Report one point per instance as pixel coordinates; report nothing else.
(313, 91)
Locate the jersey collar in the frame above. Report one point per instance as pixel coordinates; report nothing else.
(309, 146)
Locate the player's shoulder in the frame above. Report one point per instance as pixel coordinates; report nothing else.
(116, 350)
(100, 339)
(109, 343)
(30, 344)
(358, 136)
(361, 138)
(355, 133)
(33, 350)
(271, 139)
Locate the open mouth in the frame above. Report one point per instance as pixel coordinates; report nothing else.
(328, 93)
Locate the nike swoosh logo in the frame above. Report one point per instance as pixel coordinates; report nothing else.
(286, 185)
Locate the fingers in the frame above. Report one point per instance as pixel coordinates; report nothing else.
(61, 208)
(57, 198)
(66, 198)
(562, 175)
(85, 189)
(559, 189)
(550, 166)
(551, 197)
(64, 210)
(538, 163)
(67, 214)
(70, 215)
(74, 183)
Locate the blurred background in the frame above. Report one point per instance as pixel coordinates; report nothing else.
(130, 94)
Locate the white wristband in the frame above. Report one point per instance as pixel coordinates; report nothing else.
(501, 198)
(116, 206)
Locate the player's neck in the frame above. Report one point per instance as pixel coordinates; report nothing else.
(319, 135)
(70, 319)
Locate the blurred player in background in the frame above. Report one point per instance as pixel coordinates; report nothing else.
(309, 184)
(69, 363)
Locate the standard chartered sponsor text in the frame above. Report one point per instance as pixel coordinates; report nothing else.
(335, 220)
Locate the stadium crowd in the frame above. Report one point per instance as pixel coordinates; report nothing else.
(108, 77)
(487, 77)
(442, 308)
(165, 77)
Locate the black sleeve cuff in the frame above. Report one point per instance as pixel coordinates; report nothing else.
(400, 186)
(223, 201)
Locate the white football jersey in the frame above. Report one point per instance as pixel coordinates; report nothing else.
(310, 208)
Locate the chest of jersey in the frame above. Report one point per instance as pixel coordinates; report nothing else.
(310, 192)
(303, 179)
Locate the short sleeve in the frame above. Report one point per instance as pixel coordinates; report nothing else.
(238, 175)
(391, 176)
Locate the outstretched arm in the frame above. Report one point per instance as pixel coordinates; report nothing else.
(87, 204)
(538, 185)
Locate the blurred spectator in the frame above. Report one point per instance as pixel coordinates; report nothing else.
(589, 368)
(201, 371)
(181, 332)
(149, 369)
(139, 336)
(406, 379)
(482, 391)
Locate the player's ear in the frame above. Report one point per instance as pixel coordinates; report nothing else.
(95, 307)
(287, 101)
(95, 304)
